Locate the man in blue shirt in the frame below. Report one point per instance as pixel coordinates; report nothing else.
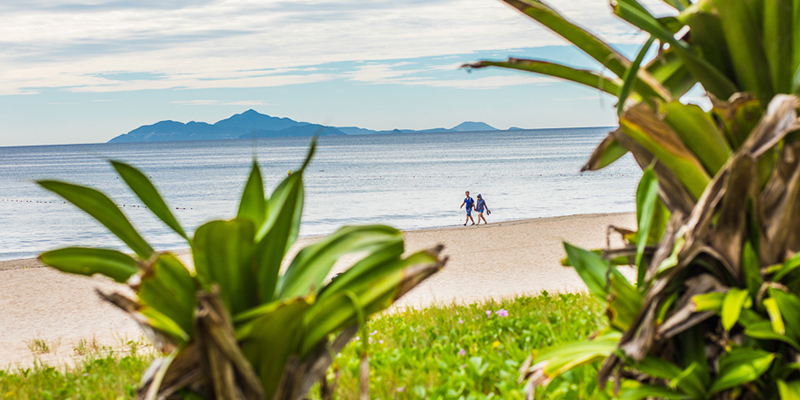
(470, 203)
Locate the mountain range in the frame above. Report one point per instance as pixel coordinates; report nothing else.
(254, 124)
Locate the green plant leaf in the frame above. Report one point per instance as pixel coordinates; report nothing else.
(87, 261)
(738, 117)
(223, 255)
(789, 306)
(608, 151)
(270, 339)
(683, 380)
(763, 331)
(796, 37)
(279, 232)
(751, 270)
(631, 74)
(698, 131)
(280, 229)
(592, 268)
(732, 306)
(148, 194)
(679, 5)
(590, 44)
(554, 361)
(253, 205)
(789, 265)
(671, 72)
(167, 287)
(708, 301)
(642, 125)
(646, 197)
(582, 76)
(778, 46)
(774, 312)
(651, 391)
(312, 264)
(604, 281)
(790, 390)
(692, 345)
(707, 37)
(164, 324)
(624, 303)
(370, 267)
(374, 291)
(101, 208)
(712, 79)
(746, 48)
(739, 366)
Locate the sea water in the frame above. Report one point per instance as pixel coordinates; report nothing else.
(410, 181)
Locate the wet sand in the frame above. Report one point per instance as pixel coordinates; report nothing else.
(498, 260)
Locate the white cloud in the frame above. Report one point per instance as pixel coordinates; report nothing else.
(487, 82)
(599, 96)
(255, 43)
(378, 73)
(224, 103)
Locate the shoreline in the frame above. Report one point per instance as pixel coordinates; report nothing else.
(33, 262)
(495, 261)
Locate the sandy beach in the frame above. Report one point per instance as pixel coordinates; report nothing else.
(493, 261)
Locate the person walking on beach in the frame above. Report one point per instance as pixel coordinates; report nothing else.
(470, 203)
(479, 206)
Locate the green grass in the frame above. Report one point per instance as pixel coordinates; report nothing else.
(446, 352)
(458, 351)
(100, 374)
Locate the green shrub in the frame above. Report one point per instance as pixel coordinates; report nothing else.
(715, 311)
(236, 326)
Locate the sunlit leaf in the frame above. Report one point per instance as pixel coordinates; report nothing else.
(147, 193)
(312, 264)
(223, 255)
(168, 287)
(99, 206)
(253, 205)
(732, 306)
(740, 366)
(87, 261)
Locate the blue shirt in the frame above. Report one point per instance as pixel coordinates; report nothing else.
(480, 205)
(469, 201)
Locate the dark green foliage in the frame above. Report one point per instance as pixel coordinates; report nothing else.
(714, 313)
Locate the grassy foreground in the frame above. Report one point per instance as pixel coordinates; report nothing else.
(446, 352)
(101, 373)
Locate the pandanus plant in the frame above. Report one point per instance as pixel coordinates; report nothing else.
(237, 326)
(715, 309)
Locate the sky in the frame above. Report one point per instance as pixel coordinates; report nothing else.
(86, 71)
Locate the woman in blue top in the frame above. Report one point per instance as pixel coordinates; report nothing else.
(479, 206)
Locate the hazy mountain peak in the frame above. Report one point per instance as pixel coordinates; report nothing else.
(251, 123)
(470, 126)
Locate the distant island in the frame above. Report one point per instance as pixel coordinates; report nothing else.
(254, 124)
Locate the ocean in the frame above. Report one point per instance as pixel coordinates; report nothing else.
(410, 181)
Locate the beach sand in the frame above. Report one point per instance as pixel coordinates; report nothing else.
(497, 261)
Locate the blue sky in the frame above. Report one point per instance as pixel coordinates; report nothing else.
(86, 71)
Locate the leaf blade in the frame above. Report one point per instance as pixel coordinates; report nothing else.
(101, 208)
(147, 192)
(253, 205)
(88, 261)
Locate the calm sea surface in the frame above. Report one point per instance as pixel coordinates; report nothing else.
(410, 181)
